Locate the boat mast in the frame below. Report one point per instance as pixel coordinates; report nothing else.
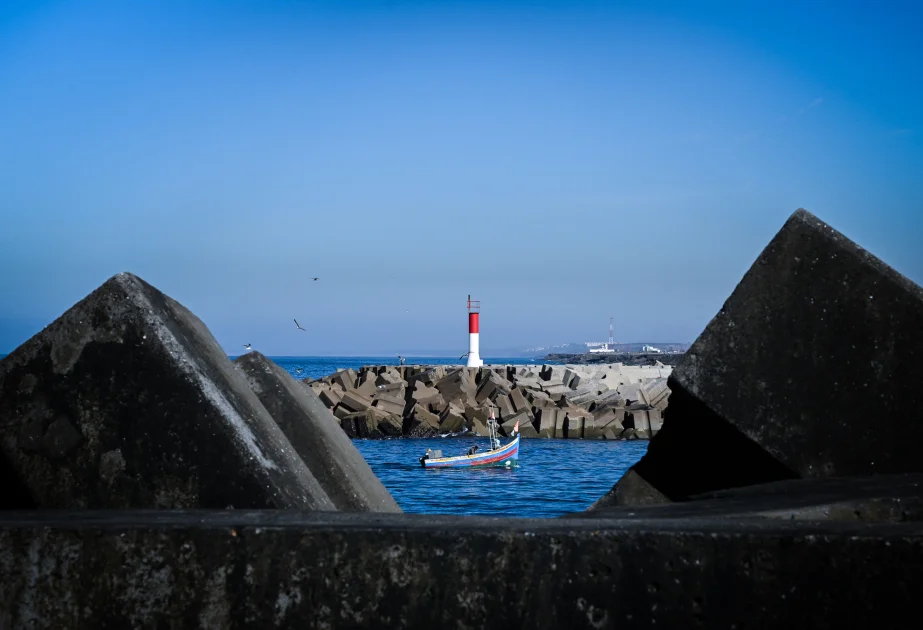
(492, 430)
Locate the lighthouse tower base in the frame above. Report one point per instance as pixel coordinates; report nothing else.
(474, 358)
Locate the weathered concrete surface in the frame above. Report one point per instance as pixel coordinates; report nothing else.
(317, 437)
(817, 356)
(289, 569)
(877, 499)
(127, 400)
(810, 370)
(631, 490)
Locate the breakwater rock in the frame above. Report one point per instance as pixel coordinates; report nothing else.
(288, 569)
(610, 401)
(810, 370)
(127, 401)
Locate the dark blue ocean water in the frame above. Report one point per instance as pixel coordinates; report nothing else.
(554, 477)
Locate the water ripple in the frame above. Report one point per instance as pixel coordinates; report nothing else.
(554, 477)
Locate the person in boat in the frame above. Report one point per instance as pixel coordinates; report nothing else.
(473, 450)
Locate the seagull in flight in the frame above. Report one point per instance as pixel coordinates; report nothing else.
(315, 279)
(297, 324)
(247, 346)
(464, 355)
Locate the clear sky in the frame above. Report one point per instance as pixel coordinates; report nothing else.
(561, 162)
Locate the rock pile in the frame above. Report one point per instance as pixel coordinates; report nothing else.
(612, 402)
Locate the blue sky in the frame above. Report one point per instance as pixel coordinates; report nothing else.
(562, 162)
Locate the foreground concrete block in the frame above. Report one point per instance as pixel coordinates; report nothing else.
(288, 569)
(875, 499)
(127, 400)
(631, 490)
(859, 329)
(819, 338)
(314, 433)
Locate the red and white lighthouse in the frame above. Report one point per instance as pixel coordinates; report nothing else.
(474, 358)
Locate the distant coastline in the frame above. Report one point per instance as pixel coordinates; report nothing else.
(625, 358)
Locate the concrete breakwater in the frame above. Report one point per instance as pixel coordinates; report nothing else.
(612, 402)
(625, 358)
(783, 490)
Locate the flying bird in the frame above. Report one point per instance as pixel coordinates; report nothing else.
(314, 279)
(464, 355)
(297, 324)
(247, 346)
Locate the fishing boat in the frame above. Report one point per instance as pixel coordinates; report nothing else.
(506, 455)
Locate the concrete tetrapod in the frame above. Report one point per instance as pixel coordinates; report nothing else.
(317, 437)
(127, 401)
(810, 370)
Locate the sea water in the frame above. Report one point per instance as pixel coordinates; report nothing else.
(553, 478)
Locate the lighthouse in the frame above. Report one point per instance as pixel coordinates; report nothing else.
(474, 357)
